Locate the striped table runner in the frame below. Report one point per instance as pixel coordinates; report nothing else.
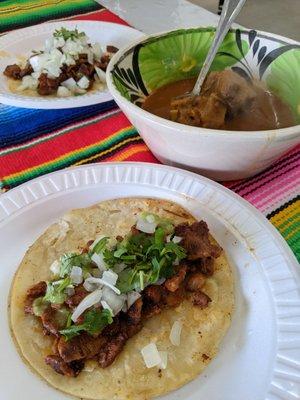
(35, 142)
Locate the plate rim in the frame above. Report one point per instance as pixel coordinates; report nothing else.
(219, 186)
(29, 193)
(42, 103)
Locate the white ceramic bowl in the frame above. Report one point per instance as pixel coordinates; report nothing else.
(221, 155)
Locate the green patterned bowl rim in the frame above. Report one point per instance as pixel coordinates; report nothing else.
(283, 134)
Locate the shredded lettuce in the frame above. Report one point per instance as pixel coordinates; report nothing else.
(94, 321)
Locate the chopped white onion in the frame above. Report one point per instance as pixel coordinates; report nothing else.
(164, 359)
(53, 70)
(151, 355)
(100, 282)
(83, 82)
(55, 267)
(73, 47)
(96, 49)
(116, 302)
(176, 333)
(69, 84)
(58, 41)
(67, 59)
(36, 75)
(37, 62)
(90, 286)
(106, 306)
(112, 287)
(28, 82)
(98, 259)
(90, 56)
(110, 277)
(83, 39)
(101, 74)
(89, 301)
(63, 92)
(70, 290)
(132, 298)
(145, 226)
(49, 43)
(177, 239)
(76, 275)
(150, 218)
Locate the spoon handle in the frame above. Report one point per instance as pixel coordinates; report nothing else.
(230, 11)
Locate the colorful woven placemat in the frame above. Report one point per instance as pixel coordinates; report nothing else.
(35, 142)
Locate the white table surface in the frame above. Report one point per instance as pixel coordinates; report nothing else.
(152, 16)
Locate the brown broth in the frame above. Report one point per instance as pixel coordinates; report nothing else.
(266, 112)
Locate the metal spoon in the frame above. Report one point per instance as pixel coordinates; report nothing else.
(230, 11)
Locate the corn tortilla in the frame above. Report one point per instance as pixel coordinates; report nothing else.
(127, 377)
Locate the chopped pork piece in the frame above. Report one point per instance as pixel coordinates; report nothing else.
(47, 85)
(130, 330)
(223, 95)
(51, 321)
(111, 49)
(200, 299)
(206, 111)
(152, 294)
(61, 367)
(80, 347)
(77, 297)
(35, 291)
(112, 329)
(134, 314)
(231, 88)
(173, 299)
(196, 241)
(150, 310)
(109, 352)
(13, 71)
(173, 283)
(207, 266)
(195, 282)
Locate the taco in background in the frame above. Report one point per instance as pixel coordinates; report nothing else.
(127, 299)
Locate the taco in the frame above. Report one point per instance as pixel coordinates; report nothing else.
(127, 299)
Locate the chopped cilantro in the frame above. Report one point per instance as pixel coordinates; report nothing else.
(68, 34)
(147, 258)
(68, 260)
(100, 246)
(55, 292)
(94, 321)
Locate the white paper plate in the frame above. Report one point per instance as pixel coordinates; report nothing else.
(21, 43)
(260, 356)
